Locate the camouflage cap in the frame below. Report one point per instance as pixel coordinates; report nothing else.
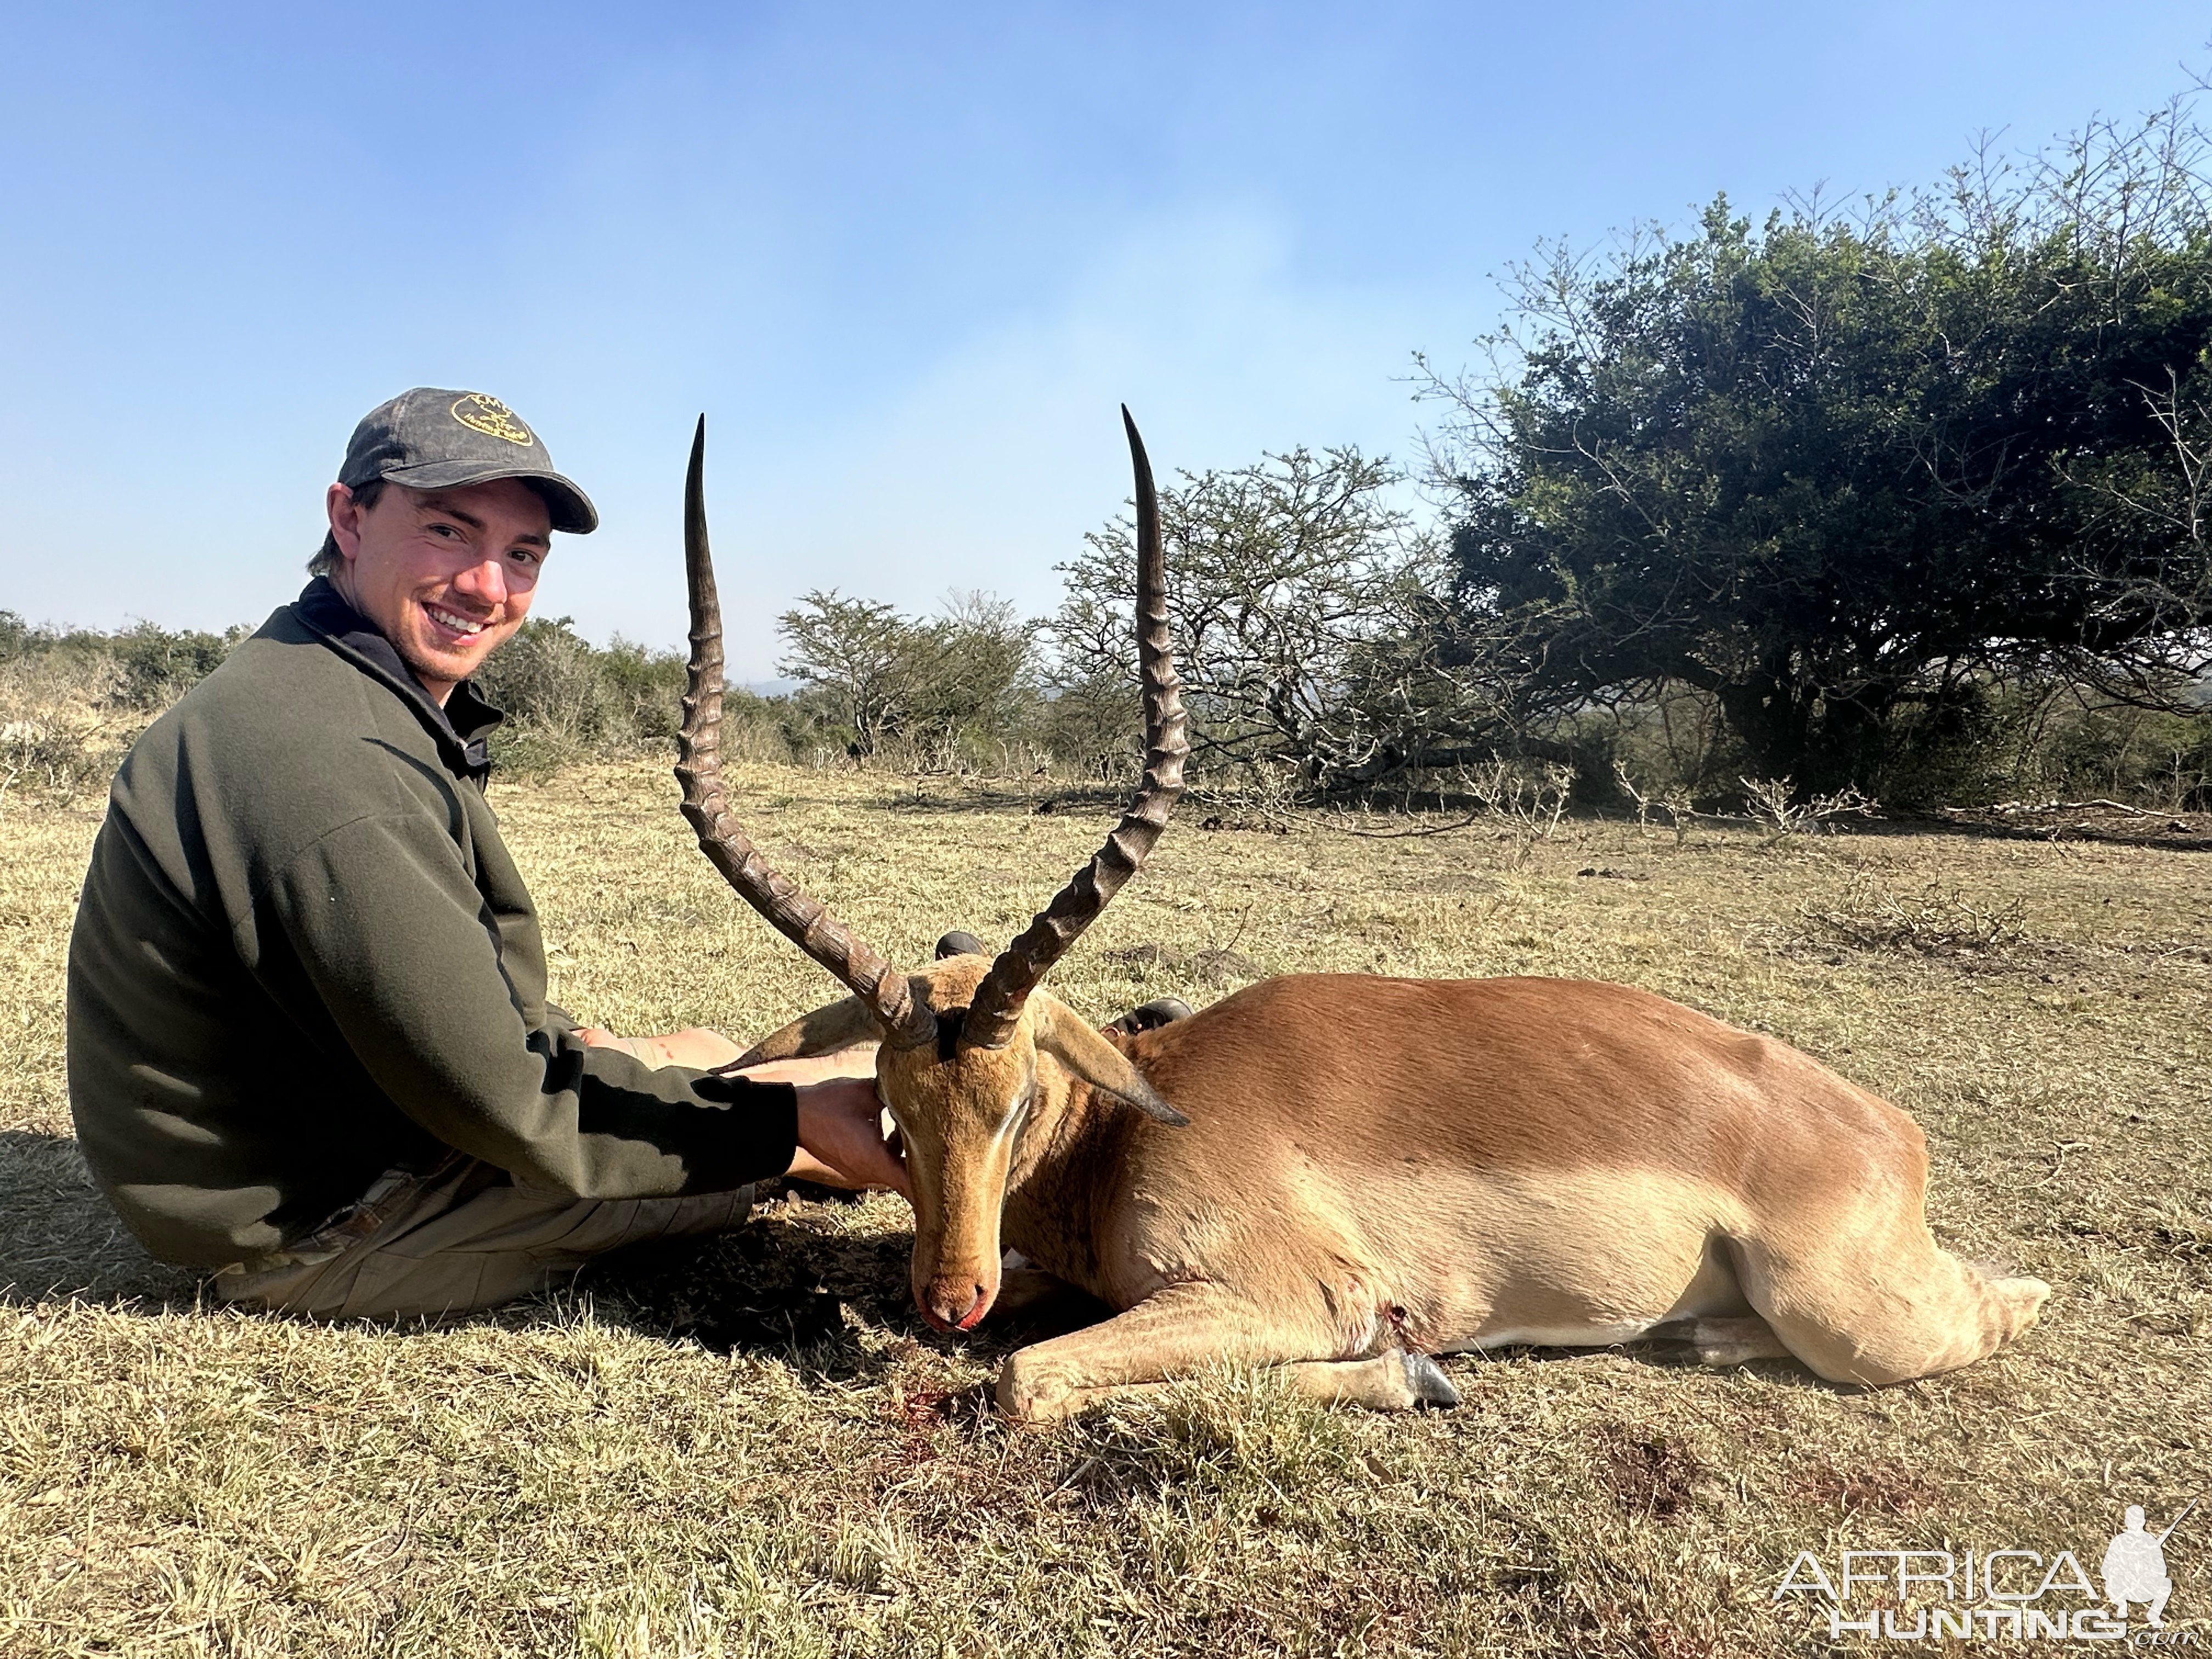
(434, 438)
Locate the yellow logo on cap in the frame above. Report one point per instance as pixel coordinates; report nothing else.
(493, 418)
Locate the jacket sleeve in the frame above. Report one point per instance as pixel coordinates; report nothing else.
(387, 931)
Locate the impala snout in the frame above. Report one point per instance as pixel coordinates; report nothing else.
(956, 1302)
(955, 1270)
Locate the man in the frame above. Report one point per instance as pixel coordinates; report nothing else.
(309, 1048)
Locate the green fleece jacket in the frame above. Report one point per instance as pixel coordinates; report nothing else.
(303, 958)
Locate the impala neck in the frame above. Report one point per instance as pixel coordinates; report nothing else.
(1059, 1188)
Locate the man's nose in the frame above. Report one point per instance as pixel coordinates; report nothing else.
(486, 581)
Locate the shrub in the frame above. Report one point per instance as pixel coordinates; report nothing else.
(156, 666)
(567, 699)
(554, 687)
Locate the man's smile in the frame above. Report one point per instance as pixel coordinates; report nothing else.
(459, 626)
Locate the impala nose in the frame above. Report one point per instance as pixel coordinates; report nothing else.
(955, 1304)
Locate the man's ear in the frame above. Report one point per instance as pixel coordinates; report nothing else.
(844, 1024)
(344, 514)
(1069, 1039)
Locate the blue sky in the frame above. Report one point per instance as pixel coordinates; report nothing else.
(908, 258)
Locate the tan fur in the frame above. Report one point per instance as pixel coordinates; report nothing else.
(1376, 1166)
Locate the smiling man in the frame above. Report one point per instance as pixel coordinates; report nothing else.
(309, 1047)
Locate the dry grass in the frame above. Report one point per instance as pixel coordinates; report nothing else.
(61, 729)
(754, 1448)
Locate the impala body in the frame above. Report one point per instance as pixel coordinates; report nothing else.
(1344, 1176)
(1376, 1170)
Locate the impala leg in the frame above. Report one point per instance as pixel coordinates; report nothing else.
(1183, 1330)
(1028, 1293)
(1392, 1381)
(1723, 1342)
(1880, 1302)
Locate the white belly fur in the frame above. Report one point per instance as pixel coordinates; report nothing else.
(1590, 1258)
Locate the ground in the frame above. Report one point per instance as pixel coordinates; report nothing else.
(755, 1446)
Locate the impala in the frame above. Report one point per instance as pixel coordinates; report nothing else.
(1372, 1172)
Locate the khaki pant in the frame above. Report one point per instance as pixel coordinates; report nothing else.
(462, 1237)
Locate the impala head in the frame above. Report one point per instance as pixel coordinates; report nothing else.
(971, 1053)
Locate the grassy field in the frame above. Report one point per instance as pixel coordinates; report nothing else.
(755, 1446)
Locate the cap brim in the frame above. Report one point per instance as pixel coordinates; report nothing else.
(571, 511)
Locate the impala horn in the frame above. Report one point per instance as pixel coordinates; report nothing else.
(997, 1006)
(882, 989)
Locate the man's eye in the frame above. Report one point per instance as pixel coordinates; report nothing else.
(524, 555)
(445, 529)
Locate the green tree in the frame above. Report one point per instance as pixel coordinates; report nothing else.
(854, 652)
(157, 665)
(1309, 626)
(1837, 473)
(953, 685)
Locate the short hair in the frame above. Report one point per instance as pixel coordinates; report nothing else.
(327, 557)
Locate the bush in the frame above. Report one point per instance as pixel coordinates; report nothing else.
(1934, 920)
(554, 687)
(157, 666)
(567, 700)
(956, 692)
(72, 702)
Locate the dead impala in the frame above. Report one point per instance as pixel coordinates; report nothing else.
(1374, 1171)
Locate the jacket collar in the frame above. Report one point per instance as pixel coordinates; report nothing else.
(461, 726)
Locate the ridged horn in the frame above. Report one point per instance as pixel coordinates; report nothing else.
(882, 989)
(997, 1006)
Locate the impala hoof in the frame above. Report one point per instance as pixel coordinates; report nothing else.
(1429, 1385)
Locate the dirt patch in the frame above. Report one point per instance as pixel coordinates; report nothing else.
(1884, 1488)
(1646, 1475)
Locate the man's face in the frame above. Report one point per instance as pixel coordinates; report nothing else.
(445, 574)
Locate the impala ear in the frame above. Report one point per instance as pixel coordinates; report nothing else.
(844, 1024)
(1070, 1039)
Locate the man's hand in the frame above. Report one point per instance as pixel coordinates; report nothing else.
(840, 1138)
(840, 1141)
(695, 1046)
